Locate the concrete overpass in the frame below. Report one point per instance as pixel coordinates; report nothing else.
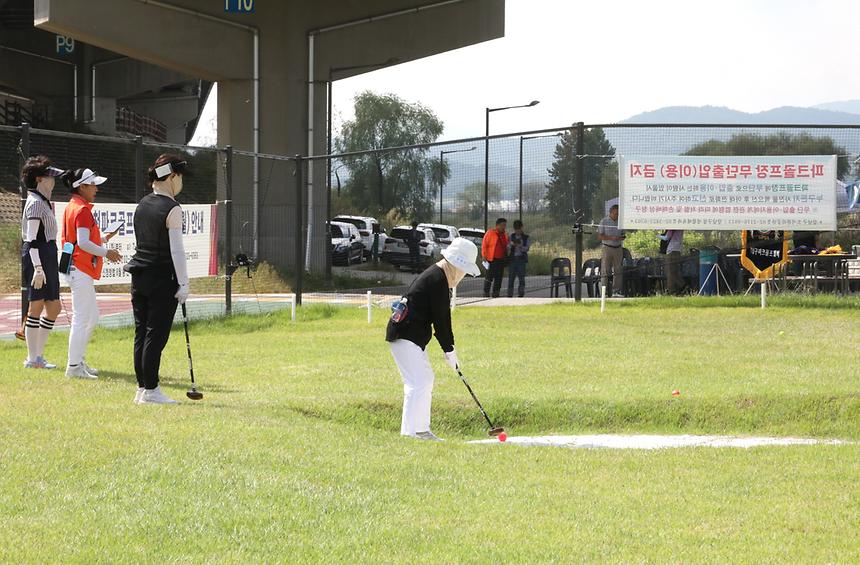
(269, 65)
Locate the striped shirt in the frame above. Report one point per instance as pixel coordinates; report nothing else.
(39, 208)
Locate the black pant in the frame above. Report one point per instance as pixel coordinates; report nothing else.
(154, 305)
(415, 259)
(494, 277)
(517, 270)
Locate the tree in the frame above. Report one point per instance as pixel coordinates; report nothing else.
(471, 200)
(560, 189)
(782, 143)
(403, 180)
(534, 195)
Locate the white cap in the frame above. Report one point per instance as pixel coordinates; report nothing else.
(462, 253)
(89, 177)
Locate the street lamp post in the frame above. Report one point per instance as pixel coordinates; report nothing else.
(442, 173)
(487, 155)
(524, 138)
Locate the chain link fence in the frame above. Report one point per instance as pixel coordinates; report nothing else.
(270, 238)
(534, 176)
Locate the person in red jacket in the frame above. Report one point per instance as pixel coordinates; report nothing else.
(494, 249)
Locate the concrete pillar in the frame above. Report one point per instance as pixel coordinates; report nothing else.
(200, 40)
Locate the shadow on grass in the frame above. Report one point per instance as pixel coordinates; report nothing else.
(171, 382)
(836, 416)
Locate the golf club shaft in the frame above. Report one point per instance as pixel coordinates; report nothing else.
(475, 398)
(188, 343)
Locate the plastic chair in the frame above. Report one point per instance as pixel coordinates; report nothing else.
(560, 270)
(591, 277)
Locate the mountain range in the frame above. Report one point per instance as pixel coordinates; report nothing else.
(845, 112)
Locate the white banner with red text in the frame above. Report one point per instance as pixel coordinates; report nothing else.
(728, 193)
(199, 236)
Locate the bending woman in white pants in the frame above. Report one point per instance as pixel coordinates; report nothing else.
(426, 308)
(81, 229)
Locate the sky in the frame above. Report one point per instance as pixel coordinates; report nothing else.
(601, 62)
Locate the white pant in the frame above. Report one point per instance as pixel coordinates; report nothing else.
(85, 314)
(414, 366)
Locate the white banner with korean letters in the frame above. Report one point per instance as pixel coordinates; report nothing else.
(728, 193)
(199, 237)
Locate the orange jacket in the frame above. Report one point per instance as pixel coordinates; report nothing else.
(78, 214)
(494, 245)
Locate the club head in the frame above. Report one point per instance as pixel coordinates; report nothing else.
(495, 432)
(194, 394)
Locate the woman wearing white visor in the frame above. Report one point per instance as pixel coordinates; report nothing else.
(81, 230)
(427, 307)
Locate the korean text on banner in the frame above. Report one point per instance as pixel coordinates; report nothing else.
(728, 193)
(198, 236)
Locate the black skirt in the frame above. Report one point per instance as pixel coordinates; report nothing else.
(48, 255)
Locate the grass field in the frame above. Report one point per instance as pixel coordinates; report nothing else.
(294, 456)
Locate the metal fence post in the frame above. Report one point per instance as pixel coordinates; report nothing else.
(299, 230)
(520, 204)
(139, 168)
(25, 153)
(579, 206)
(228, 230)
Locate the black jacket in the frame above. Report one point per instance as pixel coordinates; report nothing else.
(429, 302)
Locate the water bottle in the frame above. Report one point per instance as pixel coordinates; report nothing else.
(399, 310)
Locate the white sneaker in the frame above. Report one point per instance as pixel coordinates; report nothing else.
(46, 364)
(79, 372)
(138, 395)
(617, 295)
(155, 396)
(428, 436)
(90, 370)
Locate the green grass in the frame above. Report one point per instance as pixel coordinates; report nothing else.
(10, 254)
(294, 456)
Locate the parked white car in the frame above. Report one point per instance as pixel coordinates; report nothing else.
(475, 235)
(444, 234)
(365, 225)
(396, 251)
(346, 246)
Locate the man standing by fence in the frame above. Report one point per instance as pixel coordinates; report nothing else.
(612, 254)
(494, 248)
(413, 242)
(520, 243)
(674, 245)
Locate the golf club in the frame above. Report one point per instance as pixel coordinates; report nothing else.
(193, 394)
(494, 431)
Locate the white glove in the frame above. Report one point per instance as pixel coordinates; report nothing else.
(38, 277)
(451, 359)
(182, 294)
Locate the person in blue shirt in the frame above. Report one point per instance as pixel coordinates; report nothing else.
(519, 246)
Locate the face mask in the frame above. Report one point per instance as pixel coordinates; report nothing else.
(46, 187)
(176, 185)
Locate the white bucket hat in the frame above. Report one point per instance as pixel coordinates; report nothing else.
(462, 253)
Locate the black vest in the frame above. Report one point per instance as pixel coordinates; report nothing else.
(150, 232)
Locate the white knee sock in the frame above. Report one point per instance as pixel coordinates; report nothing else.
(45, 327)
(31, 333)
